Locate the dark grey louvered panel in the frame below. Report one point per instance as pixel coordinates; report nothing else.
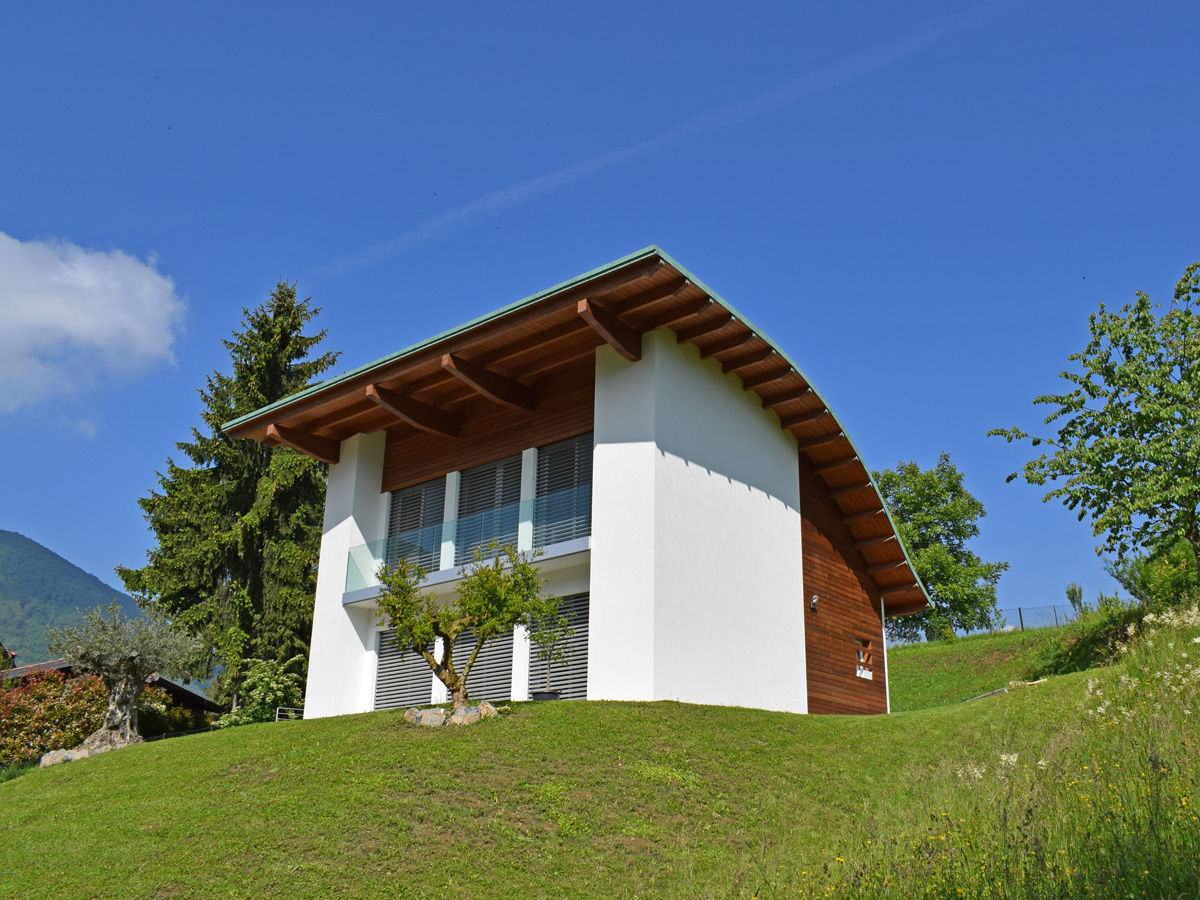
(563, 509)
(415, 524)
(491, 676)
(569, 677)
(489, 499)
(403, 678)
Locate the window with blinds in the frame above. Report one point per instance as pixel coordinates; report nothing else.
(563, 509)
(490, 677)
(403, 678)
(569, 677)
(489, 500)
(415, 524)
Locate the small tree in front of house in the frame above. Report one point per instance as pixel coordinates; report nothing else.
(549, 638)
(500, 589)
(123, 651)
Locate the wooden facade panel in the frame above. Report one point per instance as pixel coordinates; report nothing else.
(491, 431)
(847, 609)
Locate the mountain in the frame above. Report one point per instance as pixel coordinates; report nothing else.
(38, 588)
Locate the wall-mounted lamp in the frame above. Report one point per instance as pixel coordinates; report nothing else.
(812, 604)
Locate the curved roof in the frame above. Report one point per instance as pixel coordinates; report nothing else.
(505, 354)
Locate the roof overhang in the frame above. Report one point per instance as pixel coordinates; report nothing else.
(506, 356)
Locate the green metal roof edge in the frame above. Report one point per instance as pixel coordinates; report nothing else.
(758, 331)
(645, 252)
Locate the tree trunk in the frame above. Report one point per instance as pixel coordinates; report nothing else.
(121, 719)
(459, 694)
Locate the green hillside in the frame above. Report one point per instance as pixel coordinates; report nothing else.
(38, 589)
(1032, 793)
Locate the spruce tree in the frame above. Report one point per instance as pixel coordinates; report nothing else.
(237, 530)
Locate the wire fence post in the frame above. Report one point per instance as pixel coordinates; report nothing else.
(1055, 608)
(1021, 618)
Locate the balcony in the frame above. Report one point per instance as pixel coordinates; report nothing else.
(538, 523)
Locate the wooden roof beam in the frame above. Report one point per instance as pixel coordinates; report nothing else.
(670, 317)
(756, 381)
(492, 385)
(887, 567)
(849, 489)
(862, 516)
(417, 414)
(834, 464)
(324, 449)
(820, 441)
(672, 288)
(683, 335)
(773, 400)
(748, 359)
(612, 330)
(900, 589)
(729, 343)
(874, 542)
(804, 418)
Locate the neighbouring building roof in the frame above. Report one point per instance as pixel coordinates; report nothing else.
(504, 356)
(182, 696)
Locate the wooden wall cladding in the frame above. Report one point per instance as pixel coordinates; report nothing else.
(848, 609)
(566, 407)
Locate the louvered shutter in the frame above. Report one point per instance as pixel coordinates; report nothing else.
(568, 677)
(403, 678)
(415, 524)
(489, 498)
(491, 676)
(563, 510)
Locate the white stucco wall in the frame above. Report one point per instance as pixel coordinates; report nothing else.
(341, 664)
(696, 554)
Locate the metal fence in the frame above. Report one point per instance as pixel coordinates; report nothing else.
(1020, 618)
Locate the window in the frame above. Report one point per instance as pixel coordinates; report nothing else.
(862, 667)
(415, 524)
(563, 510)
(489, 500)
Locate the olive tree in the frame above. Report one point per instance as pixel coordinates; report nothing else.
(1127, 451)
(123, 651)
(500, 589)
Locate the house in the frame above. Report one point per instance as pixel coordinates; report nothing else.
(707, 520)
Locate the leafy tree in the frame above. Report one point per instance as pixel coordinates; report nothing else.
(238, 530)
(267, 686)
(494, 595)
(549, 638)
(1127, 452)
(936, 515)
(1166, 578)
(123, 651)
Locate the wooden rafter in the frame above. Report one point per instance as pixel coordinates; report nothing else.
(684, 311)
(875, 541)
(862, 516)
(773, 400)
(753, 382)
(803, 418)
(613, 331)
(849, 489)
(683, 335)
(672, 288)
(419, 415)
(820, 441)
(325, 449)
(729, 343)
(899, 589)
(887, 566)
(748, 359)
(834, 464)
(490, 384)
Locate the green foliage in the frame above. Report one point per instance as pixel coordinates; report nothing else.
(115, 646)
(936, 516)
(238, 529)
(48, 712)
(40, 589)
(267, 685)
(1127, 451)
(1158, 580)
(1075, 597)
(549, 639)
(158, 714)
(500, 588)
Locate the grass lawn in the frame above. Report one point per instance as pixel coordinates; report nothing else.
(587, 799)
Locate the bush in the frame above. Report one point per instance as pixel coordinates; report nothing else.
(267, 685)
(158, 714)
(47, 712)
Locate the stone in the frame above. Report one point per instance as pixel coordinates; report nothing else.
(468, 715)
(486, 710)
(410, 715)
(431, 718)
(54, 757)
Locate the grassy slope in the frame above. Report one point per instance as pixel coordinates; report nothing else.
(566, 799)
(923, 675)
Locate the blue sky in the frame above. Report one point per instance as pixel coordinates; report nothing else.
(921, 202)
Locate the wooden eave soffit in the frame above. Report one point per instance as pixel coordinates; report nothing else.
(490, 384)
(326, 450)
(419, 415)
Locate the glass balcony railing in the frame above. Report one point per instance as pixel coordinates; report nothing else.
(552, 519)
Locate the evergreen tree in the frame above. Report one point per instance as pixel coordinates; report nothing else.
(238, 530)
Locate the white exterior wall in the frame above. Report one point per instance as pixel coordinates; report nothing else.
(696, 553)
(342, 658)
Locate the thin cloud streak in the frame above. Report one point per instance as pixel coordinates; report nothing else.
(790, 92)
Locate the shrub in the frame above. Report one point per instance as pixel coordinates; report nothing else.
(267, 685)
(47, 712)
(158, 714)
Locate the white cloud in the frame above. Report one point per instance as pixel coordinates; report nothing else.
(71, 317)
